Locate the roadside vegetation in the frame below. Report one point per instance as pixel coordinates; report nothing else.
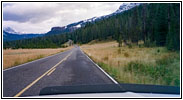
(136, 64)
(13, 57)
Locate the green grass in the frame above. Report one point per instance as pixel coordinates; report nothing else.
(111, 70)
(165, 71)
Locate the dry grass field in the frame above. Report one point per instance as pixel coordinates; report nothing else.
(136, 64)
(13, 57)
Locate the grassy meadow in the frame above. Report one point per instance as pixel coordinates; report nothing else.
(136, 64)
(13, 57)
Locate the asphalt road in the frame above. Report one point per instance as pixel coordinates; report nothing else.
(68, 68)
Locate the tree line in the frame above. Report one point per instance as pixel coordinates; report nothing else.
(155, 24)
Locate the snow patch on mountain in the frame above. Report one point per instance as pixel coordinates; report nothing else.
(78, 26)
(126, 6)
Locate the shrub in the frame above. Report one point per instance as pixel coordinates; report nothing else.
(126, 54)
(119, 50)
(129, 46)
(141, 45)
(106, 58)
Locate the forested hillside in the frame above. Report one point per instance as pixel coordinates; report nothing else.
(154, 24)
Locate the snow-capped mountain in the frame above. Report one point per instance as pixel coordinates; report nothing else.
(76, 25)
(126, 6)
(9, 34)
(122, 8)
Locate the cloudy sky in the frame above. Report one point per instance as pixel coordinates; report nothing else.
(40, 17)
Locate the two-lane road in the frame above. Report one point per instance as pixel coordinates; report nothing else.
(71, 67)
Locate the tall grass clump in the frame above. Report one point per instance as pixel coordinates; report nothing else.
(119, 50)
(16, 63)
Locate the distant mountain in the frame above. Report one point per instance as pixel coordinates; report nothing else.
(76, 25)
(9, 30)
(68, 28)
(9, 35)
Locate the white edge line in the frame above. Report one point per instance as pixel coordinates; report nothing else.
(101, 69)
(32, 61)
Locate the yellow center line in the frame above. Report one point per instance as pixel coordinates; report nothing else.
(51, 72)
(51, 69)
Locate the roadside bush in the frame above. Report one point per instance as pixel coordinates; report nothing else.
(129, 46)
(126, 54)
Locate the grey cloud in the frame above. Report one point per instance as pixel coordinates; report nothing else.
(7, 4)
(43, 16)
(46, 12)
(33, 15)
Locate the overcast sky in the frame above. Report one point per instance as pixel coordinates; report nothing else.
(40, 17)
